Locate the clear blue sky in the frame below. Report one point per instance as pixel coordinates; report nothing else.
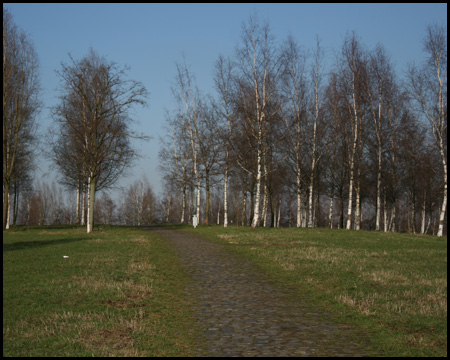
(151, 38)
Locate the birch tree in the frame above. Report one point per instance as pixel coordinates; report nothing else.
(428, 87)
(210, 148)
(351, 77)
(380, 87)
(20, 103)
(315, 157)
(258, 67)
(223, 78)
(102, 130)
(294, 113)
(175, 158)
(188, 98)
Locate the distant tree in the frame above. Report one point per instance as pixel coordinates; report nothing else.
(428, 87)
(105, 209)
(223, 78)
(20, 103)
(93, 115)
(210, 150)
(176, 159)
(188, 99)
(140, 204)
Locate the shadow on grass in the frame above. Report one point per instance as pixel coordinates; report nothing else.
(24, 245)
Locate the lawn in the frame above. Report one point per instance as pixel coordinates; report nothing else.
(116, 292)
(393, 286)
(120, 290)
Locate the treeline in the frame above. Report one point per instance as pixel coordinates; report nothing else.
(89, 142)
(284, 141)
(48, 204)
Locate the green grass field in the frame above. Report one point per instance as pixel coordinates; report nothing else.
(119, 293)
(394, 286)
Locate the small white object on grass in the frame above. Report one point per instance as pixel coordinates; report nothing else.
(65, 256)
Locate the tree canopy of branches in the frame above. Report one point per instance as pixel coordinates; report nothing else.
(298, 137)
(93, 140)
(20, 106)
(428, 86)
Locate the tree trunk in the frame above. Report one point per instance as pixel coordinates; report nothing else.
(299, 195)
(358, 207)
(444, 201)
(5, 203)
(422, 227)
(330, 213)
(225, 189)
(352, 158)
(378, 218)
(256, 215)
(206, 221)
(183, 210)
(8, 210)
(92, 186)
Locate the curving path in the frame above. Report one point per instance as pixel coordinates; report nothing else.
(243, 313)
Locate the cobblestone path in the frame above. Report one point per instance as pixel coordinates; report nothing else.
(243, 313)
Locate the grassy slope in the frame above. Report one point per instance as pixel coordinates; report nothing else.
(119, 293)
(392, 285)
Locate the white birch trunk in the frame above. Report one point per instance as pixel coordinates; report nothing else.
(91, 193)
(358, 209)
(444, 201)
(83, 203)
(9, 211)
(279, 213)
(330, 213)
(88, 202)
(265, 201)
(169, 201)
(444, 206)
(256, 216)
(350, 198)
(392, 222)
(422, 227)
(311, 220)
(225, 189)
(352, 157)
(316, 117)
(78, 202)
(299, 196)
(198, 200)
(378, 218)
(183, 208)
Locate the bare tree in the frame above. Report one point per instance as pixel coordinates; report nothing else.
(352, 78)
(223, 78)
(259, 68)
(210, 149)
(101, 130)
(20, 103)
(175, 157)
(188, 98)
(381, 90)
(315, 155)
(428, 87)
(140, 203)
(294, 110)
